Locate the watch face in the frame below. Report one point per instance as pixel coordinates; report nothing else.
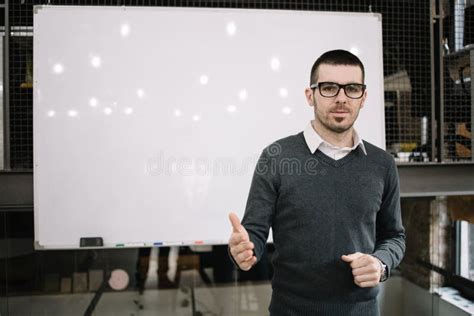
(119, 280)
(383, 276)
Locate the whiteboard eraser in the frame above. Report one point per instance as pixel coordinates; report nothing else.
(91, 242)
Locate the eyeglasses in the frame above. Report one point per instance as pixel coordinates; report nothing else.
(331, 89)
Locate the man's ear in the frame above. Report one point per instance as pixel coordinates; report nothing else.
(309, 96)
(364, 97)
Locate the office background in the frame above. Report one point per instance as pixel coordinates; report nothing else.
(428, 50)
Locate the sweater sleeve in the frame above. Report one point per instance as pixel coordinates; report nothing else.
(262, 199)
(390, 234)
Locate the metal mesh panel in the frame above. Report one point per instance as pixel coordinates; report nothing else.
(21, 101)
(407, 71)
(458, 49)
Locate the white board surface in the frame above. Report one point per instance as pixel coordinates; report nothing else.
(148, 122)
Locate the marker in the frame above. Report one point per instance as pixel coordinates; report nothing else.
(199, 242)
(176, 243)
(158, 243)
(135, 244)
(131, 244)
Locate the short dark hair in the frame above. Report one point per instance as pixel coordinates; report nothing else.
(336, 57)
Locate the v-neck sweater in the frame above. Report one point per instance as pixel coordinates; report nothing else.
(320, 209)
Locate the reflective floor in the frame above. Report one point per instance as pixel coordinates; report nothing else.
(251, 299)
(194, 292)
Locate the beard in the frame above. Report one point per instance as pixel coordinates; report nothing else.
(334, 127)
(339, 129)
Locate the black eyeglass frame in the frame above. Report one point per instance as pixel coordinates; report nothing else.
(341, 86)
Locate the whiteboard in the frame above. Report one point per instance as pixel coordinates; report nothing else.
(148, 122)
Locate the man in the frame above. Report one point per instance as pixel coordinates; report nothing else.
(332, 201)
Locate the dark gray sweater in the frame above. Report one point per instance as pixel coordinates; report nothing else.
(320, 209)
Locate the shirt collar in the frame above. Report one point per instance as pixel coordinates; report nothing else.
(313, 140)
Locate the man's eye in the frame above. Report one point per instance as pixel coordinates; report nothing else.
(353, 88)
(329, 88)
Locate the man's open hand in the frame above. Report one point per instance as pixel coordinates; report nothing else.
(241, 248)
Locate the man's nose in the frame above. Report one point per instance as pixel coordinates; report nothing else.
(341, 96)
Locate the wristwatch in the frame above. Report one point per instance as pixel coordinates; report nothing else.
(383, 272)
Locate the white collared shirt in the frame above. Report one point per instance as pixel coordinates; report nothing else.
(315, 142)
